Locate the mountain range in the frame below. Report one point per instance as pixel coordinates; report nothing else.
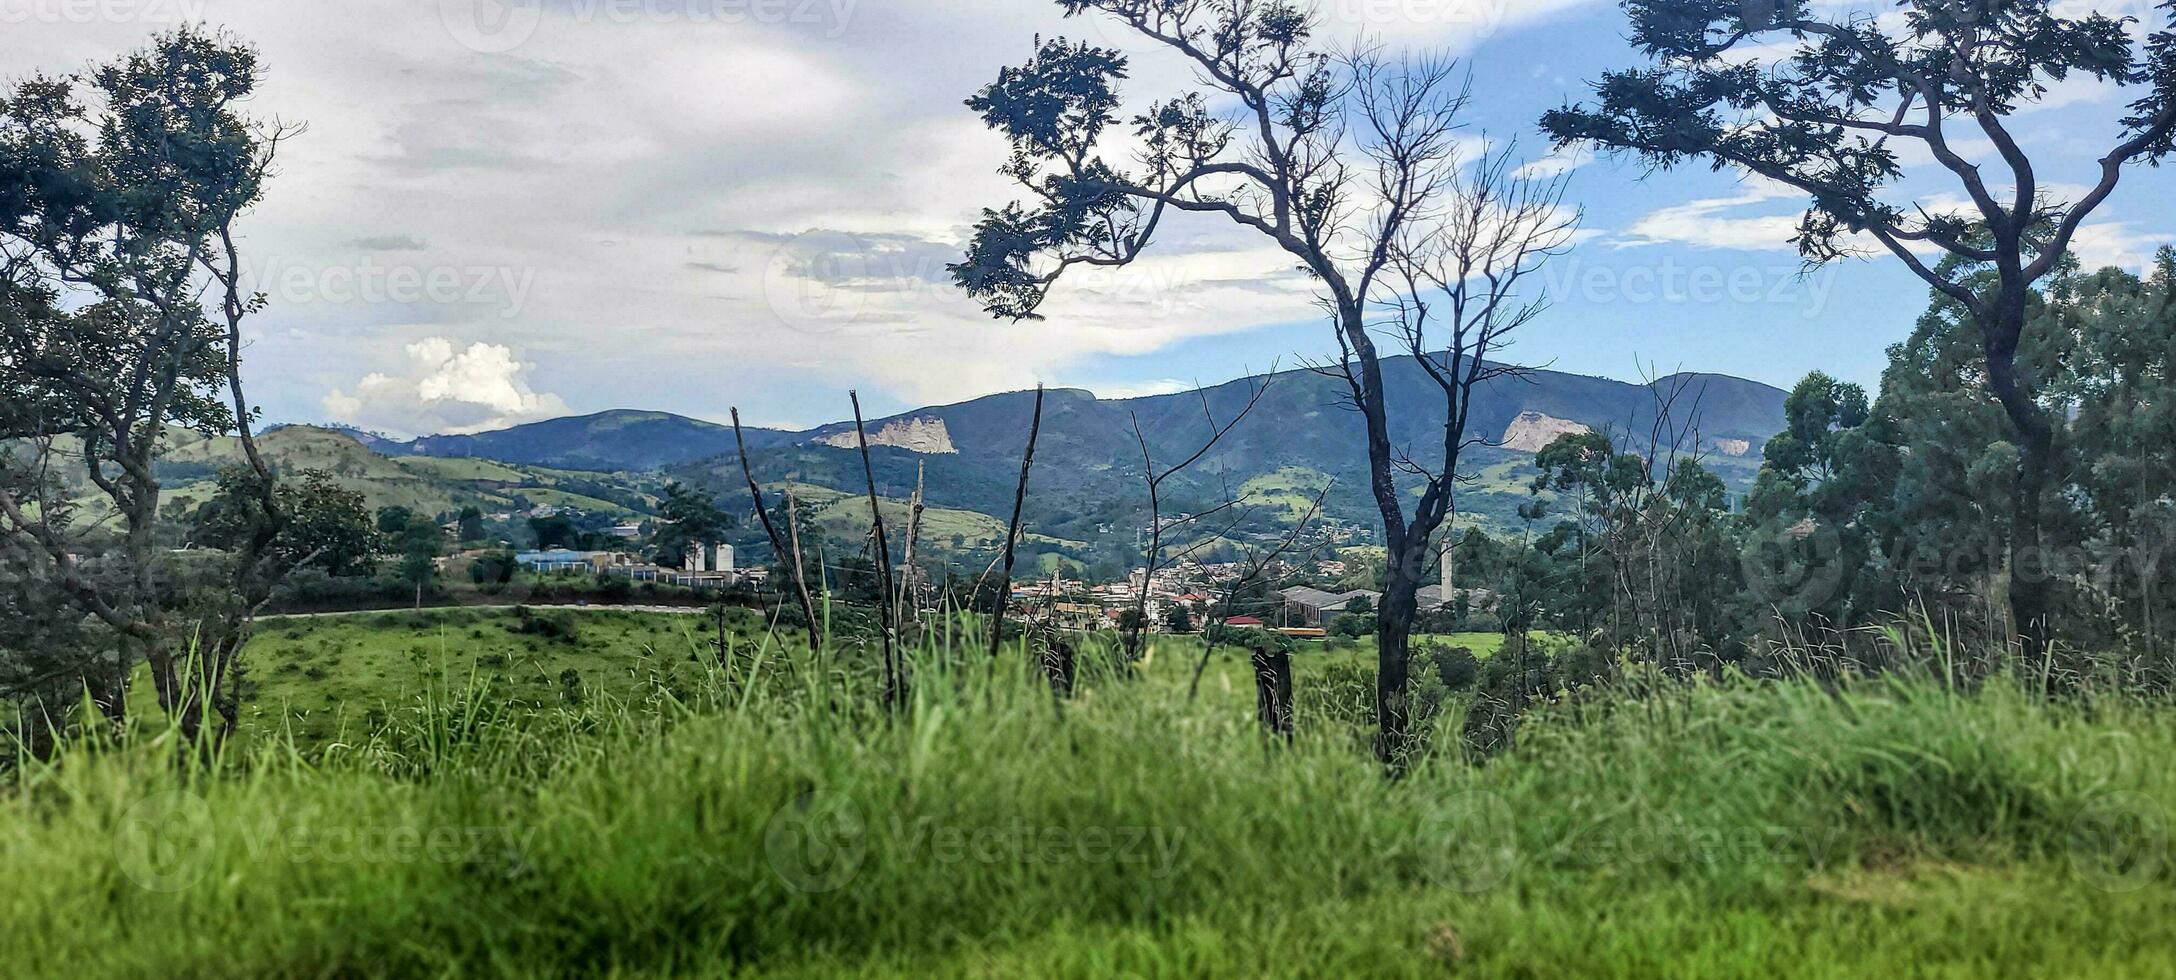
(1088, 475)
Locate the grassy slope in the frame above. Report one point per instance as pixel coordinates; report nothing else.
(1896, 829)
(423, 484)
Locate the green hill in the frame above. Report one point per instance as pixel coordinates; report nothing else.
(420, 483)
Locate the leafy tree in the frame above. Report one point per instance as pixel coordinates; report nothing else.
(472, 523)
(1457, 667)
(326, 525)
(492, 568)
(688, 519)
(1825, 110)
(394, 519)
(420, 544)
(1178, 619)
(1348, 162)
(1350, 624)
(120, 190)
(556, 531)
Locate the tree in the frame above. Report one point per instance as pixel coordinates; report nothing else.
(472, 523)
(688, 519)
(327, 525)
(1347, 161)
(394, 518)
(1822, 112)
(556, 531)
(420, 544)
(121, 307)
(493, 568)
(1178, 619)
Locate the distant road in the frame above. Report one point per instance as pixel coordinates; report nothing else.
(669, 610)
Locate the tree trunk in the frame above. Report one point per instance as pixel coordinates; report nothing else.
(1393, 637)
(1059, 666)
(2031, 582)
(1273, 691)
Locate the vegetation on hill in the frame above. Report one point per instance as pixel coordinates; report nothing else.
(422, 484)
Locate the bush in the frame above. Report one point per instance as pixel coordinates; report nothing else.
(550, 626)
(1352, 625)
(1457, 668)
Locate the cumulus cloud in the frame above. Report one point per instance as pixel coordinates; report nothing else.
(446, 388)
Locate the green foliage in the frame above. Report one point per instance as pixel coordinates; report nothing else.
(327, 526)
(688, 519)
(1353, 625)
(471, 524)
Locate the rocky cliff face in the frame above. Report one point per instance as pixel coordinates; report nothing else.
(921, 434)
(1532, 431)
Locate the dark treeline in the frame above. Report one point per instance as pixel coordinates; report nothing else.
(1873, 515)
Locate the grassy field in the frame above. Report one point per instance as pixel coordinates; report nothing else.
(316, 678)
(769, 820)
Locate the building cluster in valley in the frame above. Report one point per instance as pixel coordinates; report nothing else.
(1203, 588)
(707, 567)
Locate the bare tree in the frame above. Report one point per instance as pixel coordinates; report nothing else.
(1252, 567)
(1350, 161)
(908, 605)
(1012, 527)
(779, 545)
(1153, 558)
(881, 547)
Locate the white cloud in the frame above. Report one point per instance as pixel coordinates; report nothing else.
(1710, 222)
(2115, 243)
(446, 387)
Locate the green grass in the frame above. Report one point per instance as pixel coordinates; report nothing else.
(771, 821)
(319, 676)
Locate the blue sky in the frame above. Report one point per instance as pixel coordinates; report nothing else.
(504, 210)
